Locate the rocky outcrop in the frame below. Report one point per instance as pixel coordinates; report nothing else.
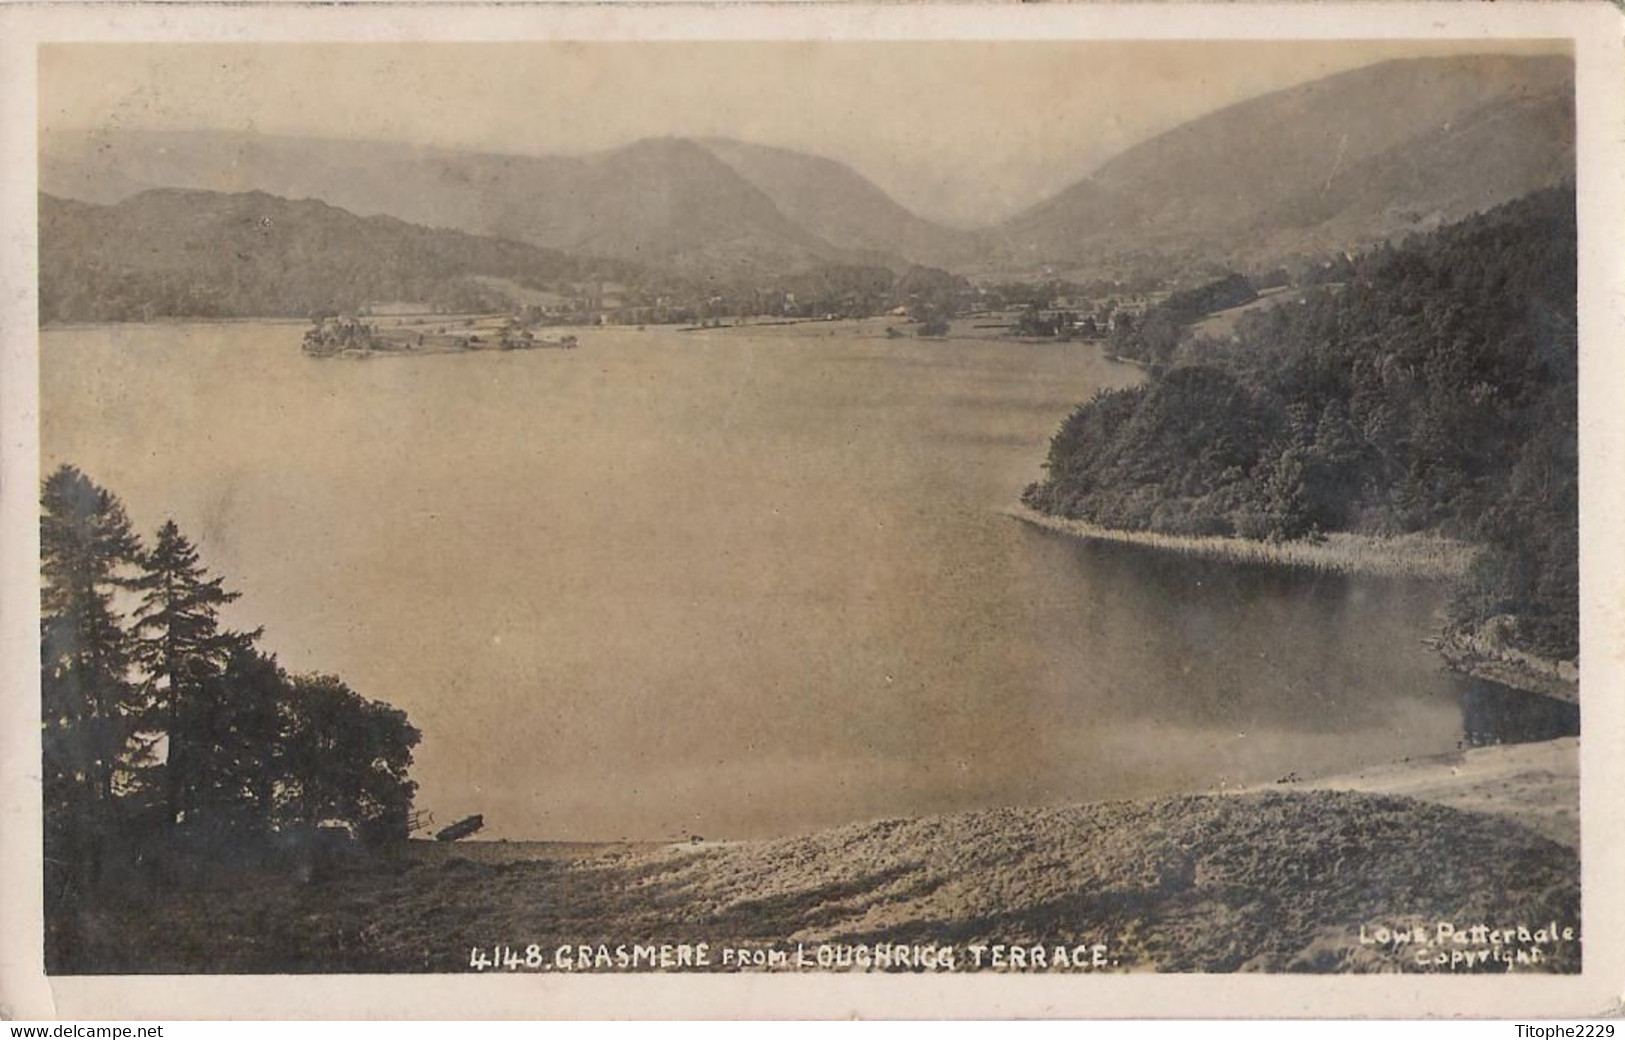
(1487, 653)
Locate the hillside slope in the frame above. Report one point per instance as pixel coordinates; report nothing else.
(665, 202)
(1336, 163)
(173, 253)
(841, 206)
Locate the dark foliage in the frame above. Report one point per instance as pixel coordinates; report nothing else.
(343, 757)
(89, 700)
(1154, 337)
(169, 739)
(1232, 290)
(183, 652)
(1433, 390)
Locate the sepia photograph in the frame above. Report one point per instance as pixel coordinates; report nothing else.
(1065, 507)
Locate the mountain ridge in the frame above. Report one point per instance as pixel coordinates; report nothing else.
(181, 252)
(663, 201)
(1232, 185)
(1320, 167)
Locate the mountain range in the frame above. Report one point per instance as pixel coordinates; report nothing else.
(1334, 164)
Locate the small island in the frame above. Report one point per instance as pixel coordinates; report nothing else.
(336, 336)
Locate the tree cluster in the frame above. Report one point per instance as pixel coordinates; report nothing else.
(165, 731)
(1155, 335)
(1435, 389)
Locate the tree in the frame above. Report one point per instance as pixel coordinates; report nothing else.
(248, 736)
(237, 750)
(245, 750)
(345, 758)
(88, 702)
(933, 325)
(1033, 322)
(185, 652)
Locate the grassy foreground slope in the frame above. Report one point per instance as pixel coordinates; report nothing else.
(1273, 881)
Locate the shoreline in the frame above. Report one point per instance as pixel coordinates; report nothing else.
(70, 326)
(1472, 654)
(1407, 556)
(1424, 557)
(434, 350)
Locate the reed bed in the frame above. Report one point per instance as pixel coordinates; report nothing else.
(1402, 556)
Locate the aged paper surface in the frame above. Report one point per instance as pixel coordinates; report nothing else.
(626, 432)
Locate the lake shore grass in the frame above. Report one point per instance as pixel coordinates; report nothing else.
(1416, 556)
(1403, 556)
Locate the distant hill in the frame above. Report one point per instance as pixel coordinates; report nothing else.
(716, 210)
(1329, 165)
(173, 252)
(662, 201)
(841, 206)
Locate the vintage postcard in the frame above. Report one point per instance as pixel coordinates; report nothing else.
(811, 511)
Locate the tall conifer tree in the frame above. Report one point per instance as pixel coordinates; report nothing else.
(89, 704)
(184, 650)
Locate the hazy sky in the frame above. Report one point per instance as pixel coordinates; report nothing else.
(960, 131)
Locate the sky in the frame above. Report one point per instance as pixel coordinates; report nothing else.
(967, 133)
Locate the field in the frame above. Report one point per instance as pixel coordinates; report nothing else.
(1284, 881)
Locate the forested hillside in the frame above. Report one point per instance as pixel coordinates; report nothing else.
(1434, 390)
(200, 254)
(174, 253)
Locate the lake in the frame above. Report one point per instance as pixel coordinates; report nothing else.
(736, 583)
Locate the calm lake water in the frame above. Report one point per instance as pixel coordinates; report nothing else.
(735, 583)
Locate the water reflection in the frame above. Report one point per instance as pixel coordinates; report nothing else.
(1496, 714)
(1293, 648)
